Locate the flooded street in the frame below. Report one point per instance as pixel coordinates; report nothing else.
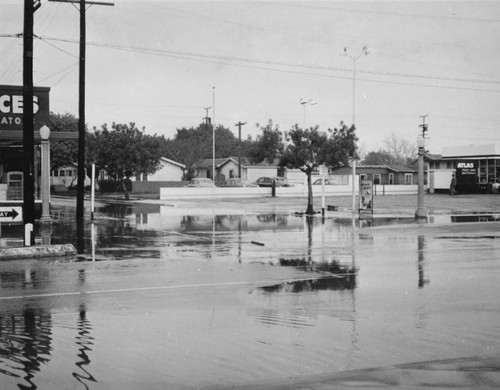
(172, 297)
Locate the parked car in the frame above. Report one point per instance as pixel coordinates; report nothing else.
(237, 182)
(319, 181)
(200, 182)
(268, 181)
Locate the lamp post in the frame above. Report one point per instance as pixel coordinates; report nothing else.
(364, 51)
(304, 103)
(421, 212)
(45, 168)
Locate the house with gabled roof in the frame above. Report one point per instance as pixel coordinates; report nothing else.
(383, 174)
(169, 170)
(229, 167)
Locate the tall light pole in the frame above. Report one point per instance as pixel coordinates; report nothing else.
(208, 123)
(45, 168)
(304, 103)
(354, 58)
(213, 133)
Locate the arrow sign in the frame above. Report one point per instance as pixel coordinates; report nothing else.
(11, 214)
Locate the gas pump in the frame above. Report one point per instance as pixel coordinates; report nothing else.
(15, 185)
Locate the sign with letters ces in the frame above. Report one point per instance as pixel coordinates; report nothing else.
(11, 107)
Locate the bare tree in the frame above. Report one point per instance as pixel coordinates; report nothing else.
(402, 150)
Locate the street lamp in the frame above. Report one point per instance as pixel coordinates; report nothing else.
(421, 212)
(304, 103)
(364, 51)
(45, 168)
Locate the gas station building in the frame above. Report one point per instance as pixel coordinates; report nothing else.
(477, 168)
(11, 139)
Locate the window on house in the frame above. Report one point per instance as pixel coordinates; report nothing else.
(408, 178)
(391, 178)
(231, 173)
(376, 178)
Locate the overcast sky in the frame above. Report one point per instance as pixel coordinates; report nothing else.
(156, 63)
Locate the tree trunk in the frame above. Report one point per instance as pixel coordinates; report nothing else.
(310, 208)
(125, 190)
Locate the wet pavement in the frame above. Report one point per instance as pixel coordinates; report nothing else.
(247, 294)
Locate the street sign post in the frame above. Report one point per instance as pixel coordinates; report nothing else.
(11, 214)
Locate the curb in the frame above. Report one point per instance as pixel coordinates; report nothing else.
(36, 252)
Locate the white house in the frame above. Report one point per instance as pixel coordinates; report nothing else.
(229, 167)
(169, 170)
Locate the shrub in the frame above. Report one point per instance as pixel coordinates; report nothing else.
(107, 186)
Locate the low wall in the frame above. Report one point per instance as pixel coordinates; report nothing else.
(395, 189)
(255, 192)
(153, 187)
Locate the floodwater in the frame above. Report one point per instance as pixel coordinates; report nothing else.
(164, 297)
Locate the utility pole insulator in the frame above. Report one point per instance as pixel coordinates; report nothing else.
(424, 126)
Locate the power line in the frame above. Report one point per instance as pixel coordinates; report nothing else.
(397, 14)
(201, 56)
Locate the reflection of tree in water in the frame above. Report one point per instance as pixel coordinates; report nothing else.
(84, 342)
(331, 276)
(25, 345)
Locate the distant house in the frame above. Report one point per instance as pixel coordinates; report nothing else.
(383, 174)
(67, 176)
(229, 167)
(169, 170)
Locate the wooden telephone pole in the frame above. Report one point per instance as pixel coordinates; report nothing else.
(239, 124)
(80, 186)
(30, 7)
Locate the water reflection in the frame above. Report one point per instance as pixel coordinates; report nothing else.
(159, 232)
(85, 342)
(331, 276)
(421, 252)
(25, 345)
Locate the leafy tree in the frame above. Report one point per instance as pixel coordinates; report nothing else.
(268, 146)
(65, 152)
(226, 143)
(380, 157)
(342, 146)
(305, 151)
(309, 148)
(125, 151)
(192, 144)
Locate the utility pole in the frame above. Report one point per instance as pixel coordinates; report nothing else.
(421, 212)
(30, 6)
(239, 124)
(424, 126)
(80, 186)
(207, 118)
